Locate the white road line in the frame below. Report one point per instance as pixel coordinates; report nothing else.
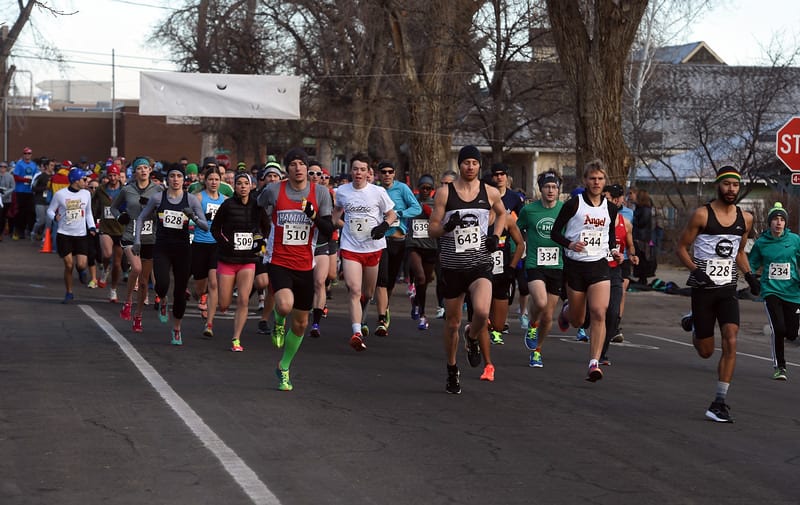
(754, 356)
(258, 492)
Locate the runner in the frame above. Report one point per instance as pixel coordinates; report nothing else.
(584, 229)
(299, 210)
(322, 255)
(204, 251)
(460, 220)
(71, 208)
(422, 251)
(174, 208)
(269, 174)
(777, 252)
(544, 263)
(110, 230)
(363, 211)
(127, 207)
(718, 231)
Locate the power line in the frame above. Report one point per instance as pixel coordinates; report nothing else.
(95, 53)
(78, 62)
(142, 4)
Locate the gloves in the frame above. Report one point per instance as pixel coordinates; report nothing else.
(701, 278)
(509, 273)
(189, 212)
(379, 231)
(136, 249)
(426, 210)
(208, 216)
(310, 211)
(492, 243)
(455, 220)
(755, 284)
(124, 218)
(143, 201)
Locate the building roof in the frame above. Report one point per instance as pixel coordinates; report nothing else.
(693, 52)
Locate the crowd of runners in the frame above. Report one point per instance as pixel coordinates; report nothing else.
(287, 233)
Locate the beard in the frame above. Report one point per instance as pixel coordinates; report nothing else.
(726, 198)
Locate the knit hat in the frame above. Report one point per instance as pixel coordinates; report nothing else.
(138, 162)
(176, 167)
(75, 175)
(425, 180)
(295, 153)
(777, 210)
(728, 172)
(191, 168)
(469, 152)
(241, 166)
(112, 169)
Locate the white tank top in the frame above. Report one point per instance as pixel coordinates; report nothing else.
(590, 225)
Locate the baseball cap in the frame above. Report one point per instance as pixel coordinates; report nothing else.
(27, 150)
(499, 168)
(112, 169)
(615, 190)
(66, 164)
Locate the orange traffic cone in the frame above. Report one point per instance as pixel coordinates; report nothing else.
(47, 245)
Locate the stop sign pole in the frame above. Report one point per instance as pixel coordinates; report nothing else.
(787, 145)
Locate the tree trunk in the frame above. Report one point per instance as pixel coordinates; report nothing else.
(593, 39)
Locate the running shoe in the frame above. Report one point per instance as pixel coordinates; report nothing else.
(414, 312)
(365, 329)
(440, 313)
(314, 331)
(68, 297)
(536, 360)
(357, 342)
(202, 305)
(261, 301)
(125, 313)
(176, 337)
(278, 335)
(687, 322)
(103, 280)
(524, 321)
(532, 338)
(383, 329)
(112, 296)
(162, 311)
(236, 346)
(92, 284)
(581, 336)
(618, 338)
(605, 361)
(208, 331)
(780, 374)
(473, 351)
(147, 299)
(264, 328)
(453, 384)
(137, 324)
(325, 311)
(563, 322)
(284, 384)
(83, 276)
(505, 329)
(718, 411)
(497, 338)
(411, 291)
(157, 302)
(423, 323)
(594, 374)
(488, 373)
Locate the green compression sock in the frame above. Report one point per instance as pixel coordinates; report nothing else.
(279, 319)
(290, 347)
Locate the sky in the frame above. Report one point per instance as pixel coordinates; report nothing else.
(737, 30)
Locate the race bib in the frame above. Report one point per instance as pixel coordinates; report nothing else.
(780, 271)
(359, 228)
(547, 256)
(497, 262)
(211, 209)
(593, 240)
(73, 215)
(467, 239)
(296, 233)
(720, 270)
(242, 241)
(107, 214)
(419, 228)
(172, 219)
(147, 227)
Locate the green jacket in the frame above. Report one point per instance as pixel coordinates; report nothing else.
(779, 258)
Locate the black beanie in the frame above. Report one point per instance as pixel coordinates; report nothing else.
(295, 153)
(468, 152)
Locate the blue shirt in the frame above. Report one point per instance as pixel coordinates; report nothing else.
(405, 206)
(24, 169)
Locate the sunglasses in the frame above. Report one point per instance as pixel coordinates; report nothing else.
(426, 188)
(387, 171)
(326, 176)
(314, 174)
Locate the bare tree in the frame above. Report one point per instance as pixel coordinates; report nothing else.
(593, 39)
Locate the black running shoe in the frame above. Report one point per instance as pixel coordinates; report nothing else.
(718, 411)
(264, 328)
(453, 384)
(473, 351)
(687, 322)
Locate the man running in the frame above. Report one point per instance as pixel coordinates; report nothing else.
(460, 220)
(718, 232)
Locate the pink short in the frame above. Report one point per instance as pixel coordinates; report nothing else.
(233, 268)
(369, 259)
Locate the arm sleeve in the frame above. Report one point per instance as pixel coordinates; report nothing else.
(413, 208)
(51, 209)
(90, 224)
(565, 214)
(216, 224)
(200, 218)
(612, 235)
(152, 204)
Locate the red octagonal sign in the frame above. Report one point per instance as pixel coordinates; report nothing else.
(787, 144)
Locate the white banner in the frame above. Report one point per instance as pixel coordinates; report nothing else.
(219, 95)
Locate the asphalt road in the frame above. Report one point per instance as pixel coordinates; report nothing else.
(91, 413)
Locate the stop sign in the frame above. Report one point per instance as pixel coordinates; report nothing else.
(787, 144)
